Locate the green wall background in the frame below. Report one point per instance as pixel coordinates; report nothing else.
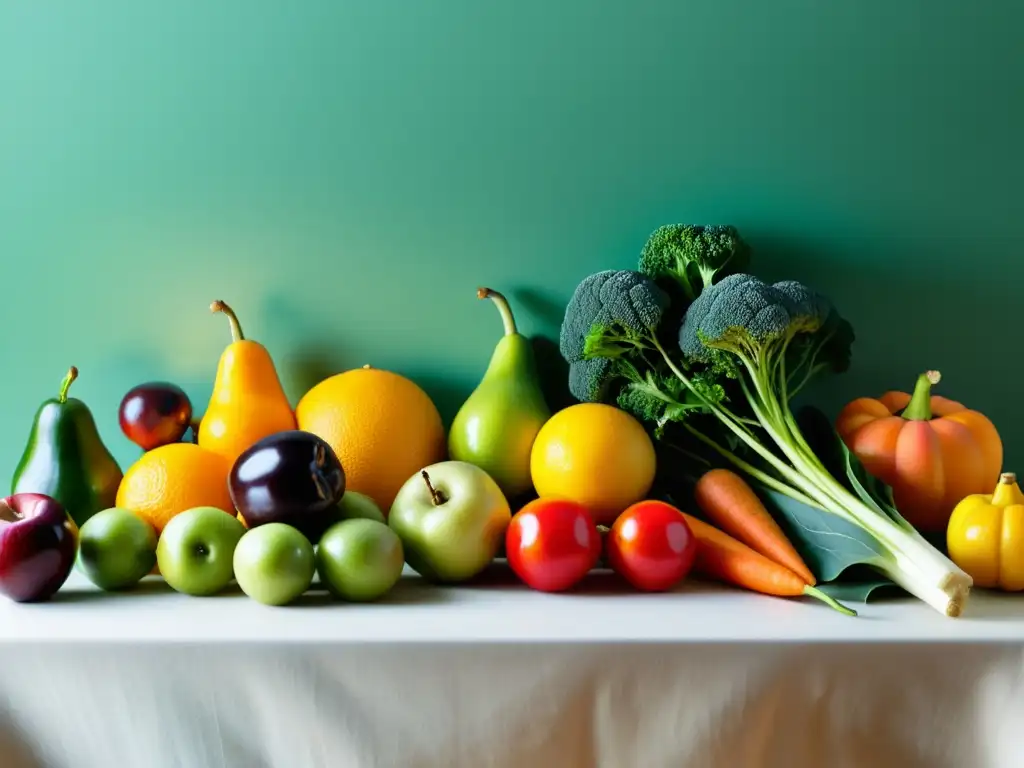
(346, 173)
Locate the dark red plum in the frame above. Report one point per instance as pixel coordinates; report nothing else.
(291, 477)
(155, 413)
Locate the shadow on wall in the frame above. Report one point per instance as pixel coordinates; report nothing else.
(303, 365)
(914, 307)
(547, 310)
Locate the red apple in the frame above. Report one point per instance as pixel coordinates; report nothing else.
(38, 544)
(154, 414)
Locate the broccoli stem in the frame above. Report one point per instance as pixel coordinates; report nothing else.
(750, 469)
(920, 406)
(786, 471)
(688, 454)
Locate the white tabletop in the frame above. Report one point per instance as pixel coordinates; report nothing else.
(705, 675)
(498, 609)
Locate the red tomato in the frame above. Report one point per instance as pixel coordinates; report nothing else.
(552, 543)
(651, 546)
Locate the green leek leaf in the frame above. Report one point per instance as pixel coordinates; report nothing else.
(828, 544)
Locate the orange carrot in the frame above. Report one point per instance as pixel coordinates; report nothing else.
(733, 506)
(723, 558)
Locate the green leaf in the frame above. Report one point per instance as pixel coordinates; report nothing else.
(828, 544)
(861, 591)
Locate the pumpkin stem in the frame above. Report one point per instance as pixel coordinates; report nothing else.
(920, 406)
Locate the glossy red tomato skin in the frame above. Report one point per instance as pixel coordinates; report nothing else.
(551, 544)
(651, 546)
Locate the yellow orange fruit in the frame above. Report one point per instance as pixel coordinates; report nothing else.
(173, 478)
(382, 425)
(596, 455)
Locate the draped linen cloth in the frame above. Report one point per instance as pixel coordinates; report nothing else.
(228, 701)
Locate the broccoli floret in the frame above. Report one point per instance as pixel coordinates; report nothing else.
(741, 312)
(589, 379)
(609, 337)
(807, 308)
(693, 256)
(622, 302)
(660, 397)
(781, 334)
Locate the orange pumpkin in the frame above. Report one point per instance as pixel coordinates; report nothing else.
(932, 451)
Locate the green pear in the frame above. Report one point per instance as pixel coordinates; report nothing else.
(65, 457)
(496, 426)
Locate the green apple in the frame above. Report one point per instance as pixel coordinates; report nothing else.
(354, 505)
(196, 549)
(451, 518)
(359, 559)
(116, 548)
(274, 563)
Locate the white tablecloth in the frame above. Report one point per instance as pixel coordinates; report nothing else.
(497, 676)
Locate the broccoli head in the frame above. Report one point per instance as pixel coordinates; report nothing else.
(740, 313)
(782, 329)
(622, 303)
(692, 256)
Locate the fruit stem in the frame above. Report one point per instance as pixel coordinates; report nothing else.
(435, 495)
(920, 406)
(1007, 492)
(70, 376)
(7, 513)
(236, 327)
(507, 318)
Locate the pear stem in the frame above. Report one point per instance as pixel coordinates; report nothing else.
(507, 318)
(236, 327)
(920, 406)
(435, 495)
(69, 377)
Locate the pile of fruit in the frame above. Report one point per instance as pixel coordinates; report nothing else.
(683, 370)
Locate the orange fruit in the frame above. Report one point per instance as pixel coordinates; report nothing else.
(383, 427)
(173, 478)
(596, 455)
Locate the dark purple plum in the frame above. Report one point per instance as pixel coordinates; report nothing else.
(291, 477)
(155, 413)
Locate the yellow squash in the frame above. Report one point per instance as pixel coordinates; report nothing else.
(985, 536)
